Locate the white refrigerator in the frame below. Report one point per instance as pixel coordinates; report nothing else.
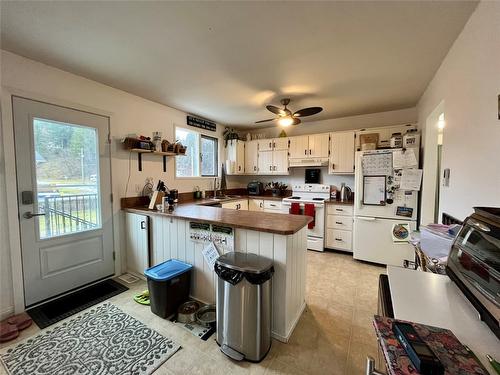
(384, 213)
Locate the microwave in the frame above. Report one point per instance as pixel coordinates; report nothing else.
(474, 264)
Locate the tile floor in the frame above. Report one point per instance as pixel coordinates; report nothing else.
(333, 336)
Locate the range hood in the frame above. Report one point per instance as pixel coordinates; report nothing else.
(307, 162)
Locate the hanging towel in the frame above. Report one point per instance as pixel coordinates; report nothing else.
(310, 211)
(295, 208)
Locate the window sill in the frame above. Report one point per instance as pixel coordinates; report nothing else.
(196, 178)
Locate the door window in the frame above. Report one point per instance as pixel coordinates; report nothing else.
(67, 178)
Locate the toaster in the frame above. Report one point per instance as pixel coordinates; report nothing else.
(255, 188)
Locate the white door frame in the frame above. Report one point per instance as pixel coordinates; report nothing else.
(11, 185)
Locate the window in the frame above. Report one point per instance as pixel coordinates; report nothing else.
(208, 156)
(201, 154)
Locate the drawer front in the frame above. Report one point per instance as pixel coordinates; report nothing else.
(339, 239)
(272, 205)
(339, 222)
(340, 209)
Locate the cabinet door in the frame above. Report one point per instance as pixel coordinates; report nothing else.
(251, 155)
(230, 205)
(137, 247)
(280, 162)
(280, 143)
(240, 157)
(265, 162)
(341, 153)
(230, 161)
(318, 145)
(265, 144)
(255, 205)
(299, 146)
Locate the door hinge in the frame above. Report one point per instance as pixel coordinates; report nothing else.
(114, 255)
(109, 138)
(111, 197)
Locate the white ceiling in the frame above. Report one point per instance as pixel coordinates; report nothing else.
(227, 60)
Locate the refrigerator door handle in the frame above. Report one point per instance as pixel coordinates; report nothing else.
(367, 218)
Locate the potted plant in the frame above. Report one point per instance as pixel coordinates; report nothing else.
(277, 188)
(229, 134)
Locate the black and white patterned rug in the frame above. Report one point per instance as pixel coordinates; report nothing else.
(102, 340)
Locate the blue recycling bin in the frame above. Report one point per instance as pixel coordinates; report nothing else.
(168, 284)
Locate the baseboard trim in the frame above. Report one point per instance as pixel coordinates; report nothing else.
(286, 338)
(6, 312)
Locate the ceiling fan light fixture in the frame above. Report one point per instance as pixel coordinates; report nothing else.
(285, 121)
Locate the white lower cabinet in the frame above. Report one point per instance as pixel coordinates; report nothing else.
(255, 204)
(241, 204)
(338, 230)
(137, 243)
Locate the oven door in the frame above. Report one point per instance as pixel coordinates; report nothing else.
(474, 264)
(319, 218)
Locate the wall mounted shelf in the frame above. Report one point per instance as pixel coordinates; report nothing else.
(140, 151)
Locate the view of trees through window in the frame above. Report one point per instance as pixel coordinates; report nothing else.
(201, 154)
(67, 177)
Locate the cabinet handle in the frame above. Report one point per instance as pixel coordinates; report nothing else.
(274, 145)
(239, 167)
(254, 168)
(143, 225)
(339, 222)
(305, 152)
(339, 209)
(338, 239)
(309, 151)
(270, 167)
(260, 205)
(270, 145)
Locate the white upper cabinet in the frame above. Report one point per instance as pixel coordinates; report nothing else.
(265, 144)
(265, 162)
(280, 162)
(251, 157)
(341, 153)
(299, 146)
(314, 145)
(318, 145)
(235, 157)
(280, 144)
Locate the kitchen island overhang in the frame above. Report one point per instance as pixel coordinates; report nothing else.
(279, 237)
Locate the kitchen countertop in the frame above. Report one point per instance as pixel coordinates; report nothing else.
(435, 300)
(254, 220)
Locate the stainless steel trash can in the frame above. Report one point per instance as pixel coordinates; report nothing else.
(244, 305)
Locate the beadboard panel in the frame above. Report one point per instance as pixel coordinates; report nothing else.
(171, 240)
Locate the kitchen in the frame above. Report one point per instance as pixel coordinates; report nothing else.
(325, 298)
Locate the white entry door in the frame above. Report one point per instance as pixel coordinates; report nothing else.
(64, 186)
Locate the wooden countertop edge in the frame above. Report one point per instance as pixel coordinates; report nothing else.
(235, 218)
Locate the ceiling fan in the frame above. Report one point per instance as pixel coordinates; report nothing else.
(287, 117)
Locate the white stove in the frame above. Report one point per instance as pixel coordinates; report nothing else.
(311, 194)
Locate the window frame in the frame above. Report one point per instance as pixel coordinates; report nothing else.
(200, 135)
(216, 154)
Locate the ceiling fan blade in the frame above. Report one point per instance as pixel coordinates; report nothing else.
(296, 121)
(271, 119)
(275, 110)
(307, 111)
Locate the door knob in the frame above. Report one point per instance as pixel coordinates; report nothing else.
(29, 215)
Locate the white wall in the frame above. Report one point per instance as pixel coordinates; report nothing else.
(468, 82)
(296, 176)
(128, 114)
(398, 117)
